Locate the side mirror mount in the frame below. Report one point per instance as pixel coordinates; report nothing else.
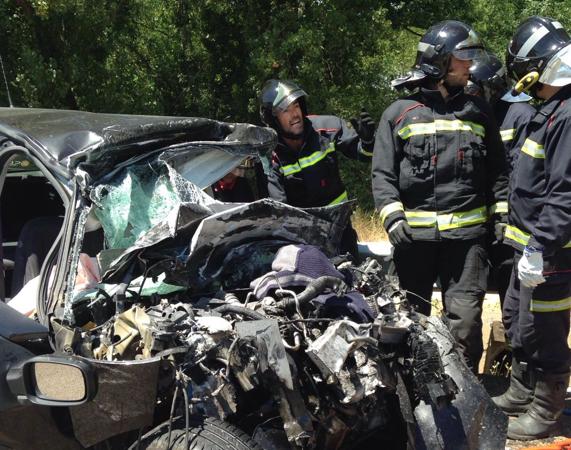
(53, 381)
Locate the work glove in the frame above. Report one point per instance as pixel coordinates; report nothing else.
(364, 125)
(530, 267)
(400, 234)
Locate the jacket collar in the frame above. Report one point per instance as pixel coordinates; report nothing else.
(436, 96)
(549, 106)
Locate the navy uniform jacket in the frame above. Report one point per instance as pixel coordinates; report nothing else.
(440, 164)
(540, 186)
(310, 177)
(513, 118)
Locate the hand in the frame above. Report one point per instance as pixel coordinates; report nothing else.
(364, 125)
(400, 234)
(530, 267)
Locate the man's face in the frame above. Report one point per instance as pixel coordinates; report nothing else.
(458, 71)
(291, 120)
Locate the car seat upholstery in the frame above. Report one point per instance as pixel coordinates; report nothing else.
(36, 238)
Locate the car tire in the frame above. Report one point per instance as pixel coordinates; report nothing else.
(203, 434)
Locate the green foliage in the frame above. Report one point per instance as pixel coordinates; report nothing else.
(210, 57)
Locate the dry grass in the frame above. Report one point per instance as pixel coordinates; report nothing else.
(368, 226)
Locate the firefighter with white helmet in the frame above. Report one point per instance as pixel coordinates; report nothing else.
(538, 300)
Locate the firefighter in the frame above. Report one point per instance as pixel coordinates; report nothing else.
(438, 169)
(488, 79)
(304, 166)
(233, 188)
(537, 303)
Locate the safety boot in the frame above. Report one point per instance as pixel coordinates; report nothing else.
(540, 420)
(518, 397)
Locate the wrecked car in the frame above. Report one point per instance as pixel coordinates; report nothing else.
(216, 325)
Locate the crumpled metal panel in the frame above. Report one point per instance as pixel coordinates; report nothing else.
(472, 420)
(101, 141)
(197, 250)
(272, 354)
(125, 400)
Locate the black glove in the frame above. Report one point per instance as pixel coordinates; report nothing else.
(400, 234)
(364, 125)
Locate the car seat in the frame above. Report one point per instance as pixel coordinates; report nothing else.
(35, 239)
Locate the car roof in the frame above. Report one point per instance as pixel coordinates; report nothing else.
(66, 137)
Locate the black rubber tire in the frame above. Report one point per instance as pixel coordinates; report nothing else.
(204, 434)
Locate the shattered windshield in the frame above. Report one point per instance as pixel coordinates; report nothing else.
(142, 195)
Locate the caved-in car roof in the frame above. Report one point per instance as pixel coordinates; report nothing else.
(63, 139)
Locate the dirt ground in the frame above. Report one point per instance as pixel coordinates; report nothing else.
(496, 385)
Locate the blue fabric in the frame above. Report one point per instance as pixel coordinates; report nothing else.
(295, 266)
(352, 305)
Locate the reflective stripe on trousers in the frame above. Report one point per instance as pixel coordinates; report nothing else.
(550, 305)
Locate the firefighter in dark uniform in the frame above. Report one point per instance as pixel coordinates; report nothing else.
(233, 188)
(488, 79)
(537, 303)
(304, 166)
(438, 170)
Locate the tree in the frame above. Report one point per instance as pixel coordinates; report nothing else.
(210, 57)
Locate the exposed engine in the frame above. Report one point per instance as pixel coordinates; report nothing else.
(310, 355)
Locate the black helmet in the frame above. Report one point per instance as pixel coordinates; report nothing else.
(536, 41)
(276, 96)
(489, 77)
(439, 43)
(445, 39)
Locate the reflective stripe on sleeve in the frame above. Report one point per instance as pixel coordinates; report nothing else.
(515, 234)
(499, 208)
(342, 198)
(521, 237)
(533, 149)
(550, 305)
(389, 209)
(507, 135)
(440, 125)
(307, 161)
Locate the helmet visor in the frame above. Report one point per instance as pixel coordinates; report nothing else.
(286, 98)
(471, 54)
(557, 72)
